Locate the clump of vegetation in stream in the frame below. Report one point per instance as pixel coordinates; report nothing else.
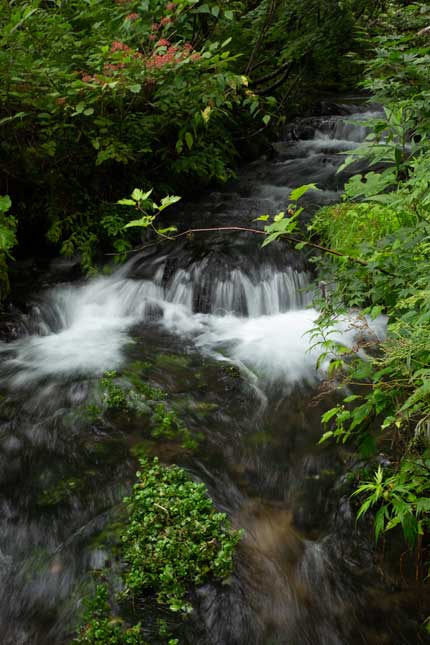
(174, 536)
(174, 540)
(141, 400)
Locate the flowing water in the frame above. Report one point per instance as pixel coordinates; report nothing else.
(222, 326)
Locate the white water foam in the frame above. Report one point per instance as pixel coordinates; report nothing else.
(95, 322)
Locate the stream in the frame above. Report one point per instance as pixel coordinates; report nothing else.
(221, 326)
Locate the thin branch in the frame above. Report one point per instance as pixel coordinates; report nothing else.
(269, 77)
(256, 231)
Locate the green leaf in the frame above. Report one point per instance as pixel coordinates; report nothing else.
(135, 88)
(189, 139)
(364, 507)
(266, 119)
(326, 436)
(143, 222)
(380, 521)
(5, 203)
(327, 416)
(80, 108)
(410, 528)
(139, 196)
(300, 191)
(126, 202)
(167, 201)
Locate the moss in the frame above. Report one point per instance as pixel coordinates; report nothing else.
(172, 360)
(61, 492)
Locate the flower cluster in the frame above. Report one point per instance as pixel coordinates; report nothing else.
(167, 54)
(164, 53)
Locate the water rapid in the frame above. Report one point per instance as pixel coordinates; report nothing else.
(225, 328)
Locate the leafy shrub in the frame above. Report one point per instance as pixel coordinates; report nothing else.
(347, 226)
(95, 99)
(175, 539)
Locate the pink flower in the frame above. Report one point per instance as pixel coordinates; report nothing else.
(61, 101)
(155, 26)
(117, 46)
(132, 16)
(163, 42)
(171, 6)
(165, 21)
(152, 37)
(195, 56)
(87, 78)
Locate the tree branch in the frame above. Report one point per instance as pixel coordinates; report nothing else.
(256, 231)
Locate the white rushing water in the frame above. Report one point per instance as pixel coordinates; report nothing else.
(94, 322)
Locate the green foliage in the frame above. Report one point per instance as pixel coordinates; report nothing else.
(95, 99)
(348, 226)
(387, 406)
(7, 241)
(175, 538)
(403, 498)
(285, 223)
(101, 627)
(142, 202)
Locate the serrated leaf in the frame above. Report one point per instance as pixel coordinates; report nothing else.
(300, 191)
(380, 521)
(143, 222)
(139, 196)
(167, 201)
(126, 202)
